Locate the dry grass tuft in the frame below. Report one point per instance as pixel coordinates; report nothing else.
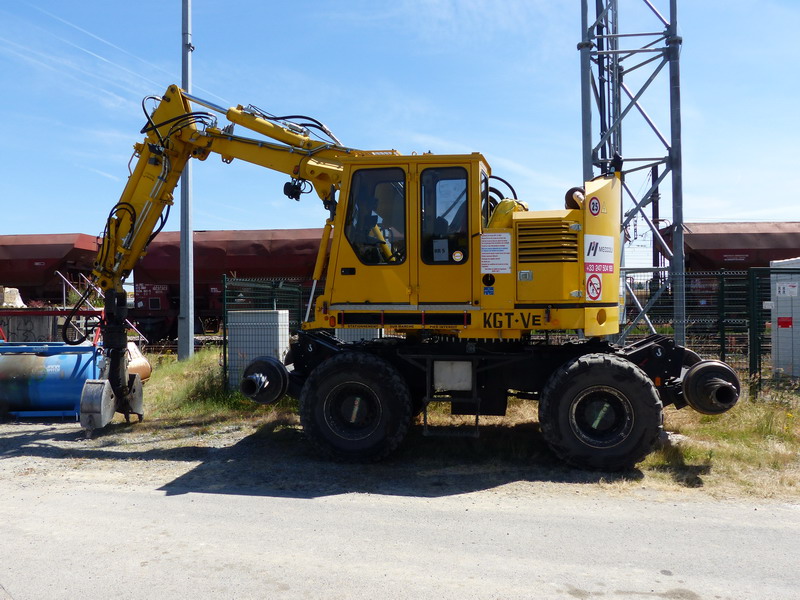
(755, 447)
(191, 393)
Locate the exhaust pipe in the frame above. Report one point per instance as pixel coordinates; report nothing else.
(711, 387)
(265, 380)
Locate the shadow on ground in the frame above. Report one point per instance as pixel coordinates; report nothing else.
(277, 461)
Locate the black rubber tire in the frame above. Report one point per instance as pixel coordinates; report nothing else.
(579, 398)
(355, 407)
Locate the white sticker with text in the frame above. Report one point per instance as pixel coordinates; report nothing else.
(598, 253)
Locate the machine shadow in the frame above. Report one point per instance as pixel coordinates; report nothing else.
(276, 460)
(279, 462)
(57, 439)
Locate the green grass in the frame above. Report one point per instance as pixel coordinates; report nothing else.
(192, 393)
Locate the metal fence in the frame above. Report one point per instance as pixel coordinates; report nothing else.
(730, 315)
(775, 313)
(717, 311)
(267, 294)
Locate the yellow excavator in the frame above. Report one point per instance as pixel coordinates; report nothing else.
(483, 299)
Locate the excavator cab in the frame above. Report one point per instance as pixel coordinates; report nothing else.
(375, 224)
(410, 226)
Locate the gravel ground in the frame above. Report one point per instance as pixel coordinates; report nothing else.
(249, 511)
(273, 456)
(260, 459)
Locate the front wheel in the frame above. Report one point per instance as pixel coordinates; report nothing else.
(600, 411)
(355, 407)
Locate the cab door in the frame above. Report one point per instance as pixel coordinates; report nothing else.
(444, 215)
(372, 266)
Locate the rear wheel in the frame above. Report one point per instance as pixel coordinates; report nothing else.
(601, 412)
(355, 407)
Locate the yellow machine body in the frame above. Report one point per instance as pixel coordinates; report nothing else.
(436, 264)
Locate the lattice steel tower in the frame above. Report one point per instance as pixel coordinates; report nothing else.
(620, 70)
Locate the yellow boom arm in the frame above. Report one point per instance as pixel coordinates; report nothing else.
(174, 134)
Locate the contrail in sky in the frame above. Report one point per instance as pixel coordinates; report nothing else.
(115, 47)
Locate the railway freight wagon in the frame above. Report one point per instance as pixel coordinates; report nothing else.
(29, 263)
(263, 253)
(737, 246)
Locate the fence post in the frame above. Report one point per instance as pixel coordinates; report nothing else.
(225, 331)
(753, 332)
(723, 349)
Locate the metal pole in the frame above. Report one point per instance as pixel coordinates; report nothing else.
(186, 316)
(655, 282)
(678, 276)
(225, 331)
(585, 48)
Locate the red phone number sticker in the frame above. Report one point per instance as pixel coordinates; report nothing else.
(599, 268)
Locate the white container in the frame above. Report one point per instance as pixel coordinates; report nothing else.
(785, 296)
(254, 333)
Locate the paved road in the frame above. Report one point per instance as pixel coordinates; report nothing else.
(85, 524)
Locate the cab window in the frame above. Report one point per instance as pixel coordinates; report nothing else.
(444, 219)
(376, 216)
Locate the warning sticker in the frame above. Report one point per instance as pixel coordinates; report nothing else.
(496, 253)
(594, 287)
(598, 253)
(786, 288)
(594, 206)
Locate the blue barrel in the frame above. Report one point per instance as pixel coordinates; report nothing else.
(45, 379)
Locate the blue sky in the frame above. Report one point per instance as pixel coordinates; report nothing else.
(447, 76)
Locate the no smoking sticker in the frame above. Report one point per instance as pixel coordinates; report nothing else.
(594, 206)
(594, 287)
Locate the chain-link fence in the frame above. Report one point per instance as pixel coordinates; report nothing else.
(748, 319)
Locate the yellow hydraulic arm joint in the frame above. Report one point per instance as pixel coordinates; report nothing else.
(130, 226)
(173, 135)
